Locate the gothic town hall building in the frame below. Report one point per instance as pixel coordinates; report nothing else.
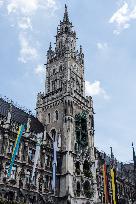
(55, 161)
(67, 116)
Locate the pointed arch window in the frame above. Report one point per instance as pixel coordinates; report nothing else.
(77, 165)
(87, 189)
(66, 29)
(53, 71)
(56, 115)
(46, 182)
(78, 188)
(60, 68)
(53, 133)
(53, 85)
(71, 107)
(49, 117)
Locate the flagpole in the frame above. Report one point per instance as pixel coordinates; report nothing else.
(113, 179)
(134, 159)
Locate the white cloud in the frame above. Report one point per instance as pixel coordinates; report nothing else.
(39, 70)
(1, 3)
(29, 6)
(50, 6)
(95, 89)
(23, 6)
(51, 3)
(102, 46)
(123, 16)
(22, 12)
(25, 23)
(27, 52)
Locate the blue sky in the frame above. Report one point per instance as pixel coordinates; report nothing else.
(106, 30)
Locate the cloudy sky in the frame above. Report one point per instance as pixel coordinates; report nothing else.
(106, 29)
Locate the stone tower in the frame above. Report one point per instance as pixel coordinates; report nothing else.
(68, 118)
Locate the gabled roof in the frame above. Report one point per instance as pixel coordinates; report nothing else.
(20, 116)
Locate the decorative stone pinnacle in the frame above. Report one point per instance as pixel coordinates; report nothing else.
(50, 47)
(80, 48)
(66, 18)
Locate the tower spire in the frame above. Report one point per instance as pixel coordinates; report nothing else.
(66, 17)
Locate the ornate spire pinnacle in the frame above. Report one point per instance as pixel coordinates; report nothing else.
(80, 49)
(50, 47)
(66, 18)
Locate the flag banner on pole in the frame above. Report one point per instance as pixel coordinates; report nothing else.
(16, 147)
(114, 190)
(54, 165)
(105, 183)
(37, 153)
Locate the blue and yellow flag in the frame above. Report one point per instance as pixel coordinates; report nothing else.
(16, 147)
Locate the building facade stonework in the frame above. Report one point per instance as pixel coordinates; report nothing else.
(57, 162)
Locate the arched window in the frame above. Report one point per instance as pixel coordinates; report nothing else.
(86, 169)
(56, 115)
(53, 85)
(53, 71)
(71, 108)
(49, 117)
(59, 44)
(46, 182)
(60, 68)
(53, 133)
(86, 166)
(66, 29)
(68, 102)
(78, 189)
(77, 165)
(87, 189)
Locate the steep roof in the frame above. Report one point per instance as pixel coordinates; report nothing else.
(20, 116)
